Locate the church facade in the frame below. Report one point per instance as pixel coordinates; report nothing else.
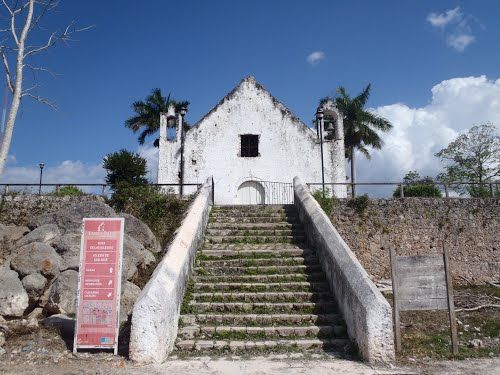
(253, 146)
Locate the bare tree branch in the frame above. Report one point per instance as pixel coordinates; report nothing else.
(41, 69)
(41, 99)
(8, 76)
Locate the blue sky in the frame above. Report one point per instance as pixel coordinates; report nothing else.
(199, 50)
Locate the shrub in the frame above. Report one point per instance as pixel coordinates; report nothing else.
(125, 166)
(68, 190)
(416, 186)
(359, 203)
(326, 201)
(161, 211)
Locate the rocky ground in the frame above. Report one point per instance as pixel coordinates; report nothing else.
(39, 273)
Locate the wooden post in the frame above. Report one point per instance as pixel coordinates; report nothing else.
(401, 191)
(446, 194)
(395, 300)
(451, 304)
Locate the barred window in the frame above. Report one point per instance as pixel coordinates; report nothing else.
(249, 146)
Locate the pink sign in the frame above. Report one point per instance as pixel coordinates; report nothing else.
(99, 284)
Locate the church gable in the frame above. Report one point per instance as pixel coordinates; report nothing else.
(247, 90)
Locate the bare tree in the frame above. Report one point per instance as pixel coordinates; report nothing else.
(22, 19)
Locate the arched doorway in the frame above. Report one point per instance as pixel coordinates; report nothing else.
(251, 192)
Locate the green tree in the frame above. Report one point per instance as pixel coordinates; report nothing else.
(417, 186)
(125, 167)
(472, 157)
(147, 114)
(360, 127)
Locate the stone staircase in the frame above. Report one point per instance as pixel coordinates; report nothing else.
(257, 286)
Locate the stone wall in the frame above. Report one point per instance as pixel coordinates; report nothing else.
(417, 226)
(18, 209)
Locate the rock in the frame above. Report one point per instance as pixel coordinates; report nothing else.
(141, 232)
(9, 234)
(68, 246)
(134, 249)
(34, 284)
(36, 313)
(2, 351)
(2, 338)
(130, 292)
(45, 233)
(65, 324)
(37, 257)
(475, 343)
(13, 298)
(62, 294)
(70, 218)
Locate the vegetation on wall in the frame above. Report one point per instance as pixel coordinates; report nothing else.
(359, 204)
(325, 200)
(417, 186)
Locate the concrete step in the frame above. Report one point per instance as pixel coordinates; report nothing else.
(250, 254)
(257, 262)
(210, 239)
(269, 278)
(256, 214)
(261, 297)
(280, 219)
(301, 286)
(268, 345)
(319, 307)
(256, 226)
(255, 208)
(250, 246)
(258, 332)
(255, 232)
(262, 319)
(262, 270)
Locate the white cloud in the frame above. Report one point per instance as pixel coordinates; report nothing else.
(456, 105)
(455, 26)
(443, 19)
(71, 171)
(315, 57)
(460, 41)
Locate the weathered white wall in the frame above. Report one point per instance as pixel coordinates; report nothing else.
(287, 146)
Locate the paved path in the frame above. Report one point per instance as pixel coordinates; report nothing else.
(257, 366)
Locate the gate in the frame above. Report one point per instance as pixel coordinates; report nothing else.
(265, 192)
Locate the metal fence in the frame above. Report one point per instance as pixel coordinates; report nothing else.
(277, 192)
(86, 188)
(384, 189)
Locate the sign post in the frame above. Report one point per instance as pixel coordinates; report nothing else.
(99, 284)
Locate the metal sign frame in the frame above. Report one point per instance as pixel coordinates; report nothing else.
(418, 283)
(117, 282)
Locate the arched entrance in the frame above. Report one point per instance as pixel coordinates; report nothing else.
(251, 192)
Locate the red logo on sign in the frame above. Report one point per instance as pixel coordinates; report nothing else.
(99, 283)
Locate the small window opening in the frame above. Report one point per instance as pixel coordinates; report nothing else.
(249, 145)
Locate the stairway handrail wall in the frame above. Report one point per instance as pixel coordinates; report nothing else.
(367, 313)
(156, 312)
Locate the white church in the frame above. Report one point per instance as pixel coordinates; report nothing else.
(253, 146)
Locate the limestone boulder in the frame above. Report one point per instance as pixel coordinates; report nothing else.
(9, 234)
(141, 232)
(34, 285)
(64, 323)
(68, 246)
(62, 294)
(46, 233)
(37, 257)
(133, 249)
(130, 292)
(13, 298)
(70, 218)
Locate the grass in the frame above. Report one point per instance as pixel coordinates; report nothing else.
(426, 334)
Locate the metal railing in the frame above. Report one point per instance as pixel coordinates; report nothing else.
(277, 192)
(87, 188)
(493, 188)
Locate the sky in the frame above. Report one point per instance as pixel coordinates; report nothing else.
(434, 69)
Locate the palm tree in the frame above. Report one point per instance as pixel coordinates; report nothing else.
(147, 114)
(360, 127)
